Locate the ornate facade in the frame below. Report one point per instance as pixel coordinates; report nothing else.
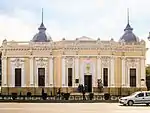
(48, 64)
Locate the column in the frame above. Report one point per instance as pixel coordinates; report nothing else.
(63, 72)
(4, 72)
(23, 78)
(99, 68)
(82, 73)
(76, 68)
(51, 83)
(128, 76)
(112, 78)
(12, 75)
(143, 78)
(137, 75)
(123, 72)
(32, 82)
(94, 81)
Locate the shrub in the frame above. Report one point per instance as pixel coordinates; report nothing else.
(106, 96)
(14, 96)
(44, 96)
(29, 94)
(91, 95)
(66, 96)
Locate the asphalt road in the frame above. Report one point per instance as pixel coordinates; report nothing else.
(71, 108)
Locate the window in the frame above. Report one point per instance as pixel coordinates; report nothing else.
(76, 80)
(140, 95)
(69, 76)
(105, 76)
(148, 94)
(132, 77)
(41, 76)
(17, 77)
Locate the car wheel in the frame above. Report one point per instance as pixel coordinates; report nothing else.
(147, 104)
(130, 102)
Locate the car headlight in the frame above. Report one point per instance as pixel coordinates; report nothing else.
(124, 99)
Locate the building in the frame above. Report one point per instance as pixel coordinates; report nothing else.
(44, 63)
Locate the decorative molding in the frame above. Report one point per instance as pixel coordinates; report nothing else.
(105, 61)
(69, 62)
(41, 61)
(132, 62)
(18, 61)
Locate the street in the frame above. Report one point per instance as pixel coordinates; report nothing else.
(71, 108)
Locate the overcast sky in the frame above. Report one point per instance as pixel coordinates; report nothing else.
(106, 19)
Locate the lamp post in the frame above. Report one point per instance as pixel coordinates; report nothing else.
(148, 37)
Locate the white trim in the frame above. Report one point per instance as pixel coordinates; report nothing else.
(63, 72)
(137, 75)
(31, 72)
(123, 73)
(128, 77)
(94, 74)
(99, 74)
(41, 63)
(51, 72)
(76, 70)
(17, 64)
(4, 72)
(143, 73)
(81, 73)
(73, 74)
(112, 77)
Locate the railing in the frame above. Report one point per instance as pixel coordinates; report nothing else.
(58, 97)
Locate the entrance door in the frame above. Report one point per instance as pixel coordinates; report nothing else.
(41, 76)
(88, 83)
(17, 77)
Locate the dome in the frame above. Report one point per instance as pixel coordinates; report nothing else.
(128, 35)
(41, 36)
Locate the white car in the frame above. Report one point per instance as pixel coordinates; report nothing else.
(140, 97)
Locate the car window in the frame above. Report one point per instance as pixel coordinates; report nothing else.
(148, 94)
(140, 95)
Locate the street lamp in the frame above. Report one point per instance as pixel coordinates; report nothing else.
(148, 37)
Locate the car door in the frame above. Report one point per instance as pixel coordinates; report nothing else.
(139, 98)
(147, 97)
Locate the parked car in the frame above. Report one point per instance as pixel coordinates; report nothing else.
(140, 97)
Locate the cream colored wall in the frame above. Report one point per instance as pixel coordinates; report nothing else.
(57, 71)
(57, 53)
(118, 72)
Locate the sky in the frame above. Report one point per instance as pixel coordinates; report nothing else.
(70, 19)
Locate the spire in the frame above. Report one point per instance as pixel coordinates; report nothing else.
(128, 15)
(42, 27)
(128, 27)
(42, 15)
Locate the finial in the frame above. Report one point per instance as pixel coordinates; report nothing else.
(42, 15)
(128, 27)
(42, 25)
(128, 15)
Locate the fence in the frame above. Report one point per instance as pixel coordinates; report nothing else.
(70, 97)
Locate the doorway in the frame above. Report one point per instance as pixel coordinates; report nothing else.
(88, 83)
(41, 76)
(17, 77)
